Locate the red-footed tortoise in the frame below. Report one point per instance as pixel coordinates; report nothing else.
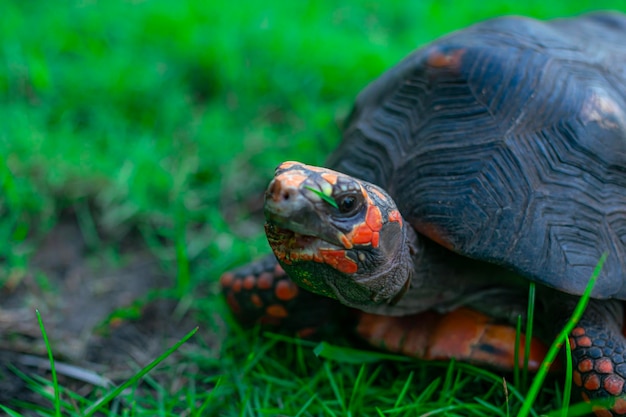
(493, 156)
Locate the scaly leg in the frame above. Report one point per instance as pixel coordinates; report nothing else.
(262, 293)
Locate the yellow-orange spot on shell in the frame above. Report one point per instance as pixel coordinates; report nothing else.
(330, 177)
(286, 290)
(276, 310)
(452, 59)
(256, 300)
(591, 382)
(265, 281)
(583, 341)
(577, 378)
(604, 366)
(585, 397)
(435, 234)
(248, 282)
(585, 365)
(578, 331)
(237, 285)
(620, 406)
(613, 384)
(601, 411)
(572, 343)
(226, 279)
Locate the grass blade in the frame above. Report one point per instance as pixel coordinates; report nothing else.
(567, 390)
(323, 196)
(560, 339)
(111, 395)
(529, 333)
(55, 382)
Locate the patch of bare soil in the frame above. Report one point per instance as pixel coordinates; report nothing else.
(76, 293)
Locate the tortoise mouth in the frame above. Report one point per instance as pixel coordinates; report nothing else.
(287, 238)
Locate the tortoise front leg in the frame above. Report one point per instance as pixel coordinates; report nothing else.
(599, 354)
(262, 293)
(463, 334)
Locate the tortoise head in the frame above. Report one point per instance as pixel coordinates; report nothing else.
(338, 236)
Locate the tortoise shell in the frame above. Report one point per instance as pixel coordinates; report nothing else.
(506, 143)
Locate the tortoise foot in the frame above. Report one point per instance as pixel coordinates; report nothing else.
(598, 355)
(262, 293)
(462, 334)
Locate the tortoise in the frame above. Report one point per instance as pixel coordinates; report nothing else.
(487, 159)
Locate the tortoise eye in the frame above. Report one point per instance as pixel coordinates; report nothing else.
(347, 204)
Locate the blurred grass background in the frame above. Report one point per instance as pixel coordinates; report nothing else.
(168, 117)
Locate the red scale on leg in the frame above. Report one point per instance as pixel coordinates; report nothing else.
(620, 406)
(613, 384)
(603, 366)
(583, 341)
(601, 411)
(585, 365)
(591, 382)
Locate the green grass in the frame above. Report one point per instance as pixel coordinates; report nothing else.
(168, 118)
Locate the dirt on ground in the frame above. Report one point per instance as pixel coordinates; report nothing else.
(80, 295)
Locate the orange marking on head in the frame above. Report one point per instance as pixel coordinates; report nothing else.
(601, 411)
(237, 285)
(577, 378)
(286, 290)
(276, 310)
(345, 241)
(619, 406)
(591, 382)
(613, 384)
(367, 232)
(256, 300)
(361, 235)
(583, 341)
(288, 164)
(578, 331)
(226, 279)
(330, 177)
(375, 239)
(289, 179)
(395, 216)
(248, 282)
(379, 194)
(585, 365)
(265, 281)
(373, 218)
(604, 366)
(339, 260)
